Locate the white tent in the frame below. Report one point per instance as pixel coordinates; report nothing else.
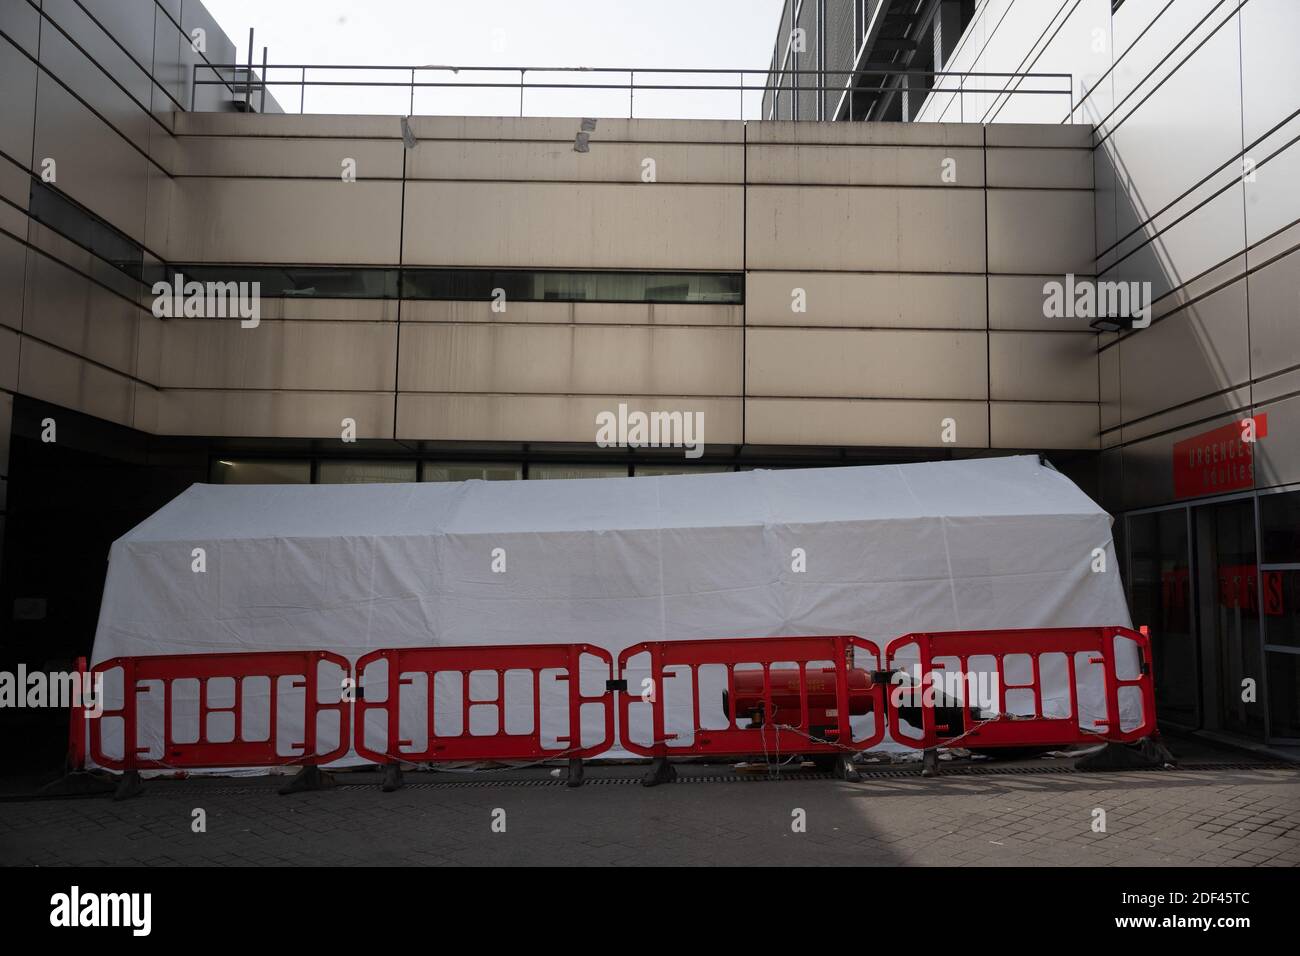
(889, 549)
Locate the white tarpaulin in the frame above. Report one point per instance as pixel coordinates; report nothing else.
(888, 549)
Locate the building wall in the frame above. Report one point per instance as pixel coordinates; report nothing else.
(939, 318)
(1196, 106)
(89, 89)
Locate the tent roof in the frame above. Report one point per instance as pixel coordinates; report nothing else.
(992, 487)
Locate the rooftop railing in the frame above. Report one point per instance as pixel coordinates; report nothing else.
(673, 93)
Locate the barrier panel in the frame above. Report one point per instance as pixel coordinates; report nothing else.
(794, 695)
(948, 716)
(243, 738)
(450, 704)
(76, 758)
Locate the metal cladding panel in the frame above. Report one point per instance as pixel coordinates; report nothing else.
(811, 227)
(1040, 231)
(65, 309)
(827, 421)
(1279, 454)
(597, 225)
(266, 414)
(1270, 67)
(853, 363)
(556, 418)
(1196, 351)
(60, 378)
(1043, 366)
(1274, 334)
(865, 300)
(95, 165)
(13, 268)
(286, 220)
(1043, 425)
(18, 105)
(570, 359)
(815, 164)
(328, 356)
(95, 68)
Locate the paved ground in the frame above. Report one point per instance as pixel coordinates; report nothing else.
(1237, 815)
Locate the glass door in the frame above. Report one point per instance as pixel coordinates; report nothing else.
(1232, 666)
(1160, 596)
(1279, 535)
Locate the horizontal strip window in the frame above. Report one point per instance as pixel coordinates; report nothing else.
(469, 285)
(51, 208)
(472, 285)
(289, 281)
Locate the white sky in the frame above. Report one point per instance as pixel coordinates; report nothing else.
(692, 34)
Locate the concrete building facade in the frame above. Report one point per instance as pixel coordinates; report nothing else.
(467, 302)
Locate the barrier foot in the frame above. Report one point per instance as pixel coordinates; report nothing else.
(129, 786)
(1147, 752)
(575, 772)
(661, 771)
(308, 778)
(77, 783)
(392, 778)
(930, 763)
(845, 769)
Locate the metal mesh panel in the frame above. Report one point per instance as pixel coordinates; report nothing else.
(839, 49)
(807, 60)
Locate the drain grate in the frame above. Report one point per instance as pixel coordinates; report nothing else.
(189, 788)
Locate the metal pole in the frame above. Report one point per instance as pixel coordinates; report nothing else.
(742, 98)
(411, 110)
(521, 94)
(302, 91)
(262, 108)
(248, 88)
(961, 96)
(631, 92)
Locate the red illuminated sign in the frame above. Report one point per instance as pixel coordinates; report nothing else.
(1216, 461)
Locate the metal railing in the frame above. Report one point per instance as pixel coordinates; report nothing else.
(854, 86)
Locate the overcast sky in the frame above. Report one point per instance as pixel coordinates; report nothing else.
(717, 34)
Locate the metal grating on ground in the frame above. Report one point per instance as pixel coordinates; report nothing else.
(487, 780)
(686, 777)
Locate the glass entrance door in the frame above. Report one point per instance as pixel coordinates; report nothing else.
(1232, 663)
(1160, 593)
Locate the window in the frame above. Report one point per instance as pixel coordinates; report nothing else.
(253, 472)
(459, 471)
(643, 471)
(577, 471)
(470, 285)
(345, 472)
(51, 208)
(291, 281)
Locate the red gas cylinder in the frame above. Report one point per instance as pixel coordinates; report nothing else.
(822, 711)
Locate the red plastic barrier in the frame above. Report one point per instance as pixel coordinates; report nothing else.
(1003, 729)
(501, 745)
(76, 759)
(800, 726)
(205, 752)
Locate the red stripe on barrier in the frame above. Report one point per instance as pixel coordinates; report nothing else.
(464, 662)
(76, 759)
(239, 751)
(792, 706)
(948, 717)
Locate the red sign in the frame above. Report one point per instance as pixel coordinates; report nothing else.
(1217, 461)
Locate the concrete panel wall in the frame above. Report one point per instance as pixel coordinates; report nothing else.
(884, 228)
(880, 280)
